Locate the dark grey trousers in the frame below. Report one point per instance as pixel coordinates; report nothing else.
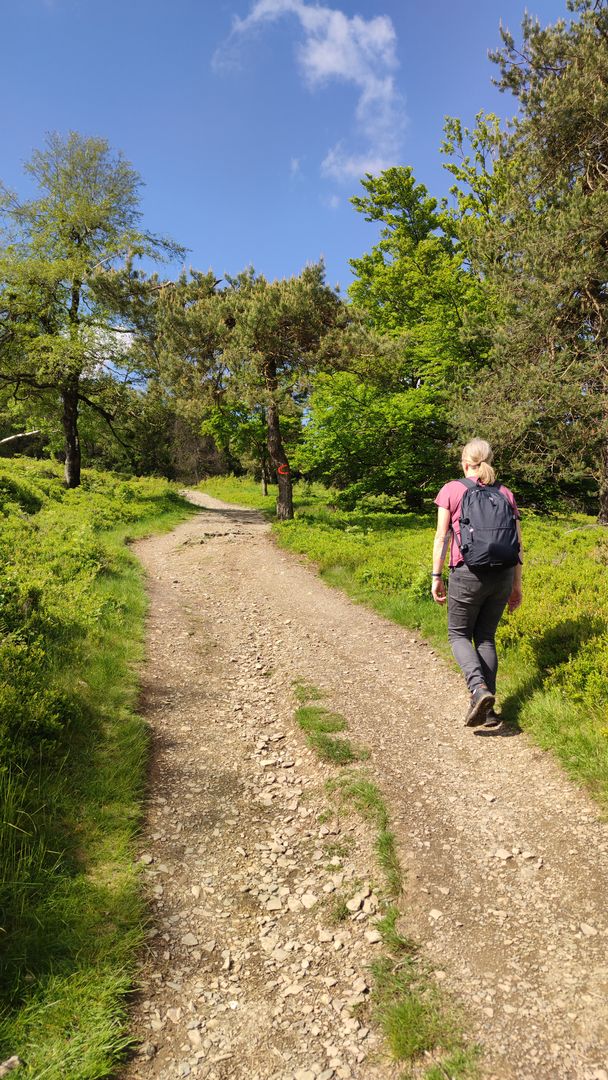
(475, 605)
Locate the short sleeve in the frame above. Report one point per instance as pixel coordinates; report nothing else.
(443, 498)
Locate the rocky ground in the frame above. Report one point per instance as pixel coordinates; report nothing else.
(263, 900)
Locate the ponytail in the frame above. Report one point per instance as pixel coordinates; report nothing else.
(478, 453)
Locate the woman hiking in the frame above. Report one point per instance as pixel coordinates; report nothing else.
(477, 594)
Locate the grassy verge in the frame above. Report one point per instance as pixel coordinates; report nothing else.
(553, 679)
(72, 607)
(420, 1026)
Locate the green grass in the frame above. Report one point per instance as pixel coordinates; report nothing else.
(553, 676)
(320, 726)
(316, 720)
(72, 597)
(305, 692)
(416, 1020)
(335, 750)
(339, 912)
(417, 1024)
(357, 789)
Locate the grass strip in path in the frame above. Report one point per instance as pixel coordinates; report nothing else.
(321, 727)
(420, 1027)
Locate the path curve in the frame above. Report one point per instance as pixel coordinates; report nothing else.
(505, 859)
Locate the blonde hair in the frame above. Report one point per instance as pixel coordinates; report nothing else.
(478, 453)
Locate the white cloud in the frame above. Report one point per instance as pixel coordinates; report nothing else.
(294, 167)
(351, 49)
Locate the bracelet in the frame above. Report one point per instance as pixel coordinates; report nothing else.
(437, 575)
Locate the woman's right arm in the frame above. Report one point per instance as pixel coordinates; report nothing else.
(440, 547)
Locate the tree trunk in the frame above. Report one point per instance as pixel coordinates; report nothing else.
(69, 397)
(264, 475)
(280, 463)
(603, 514)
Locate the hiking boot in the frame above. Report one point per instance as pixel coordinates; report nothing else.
(482, 701)
(493, 720)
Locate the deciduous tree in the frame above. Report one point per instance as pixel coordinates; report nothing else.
(67, 281)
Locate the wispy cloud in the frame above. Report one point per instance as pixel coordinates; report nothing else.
(294, 167)
(351, 49)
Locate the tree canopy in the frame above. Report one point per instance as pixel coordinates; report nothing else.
(67, 282)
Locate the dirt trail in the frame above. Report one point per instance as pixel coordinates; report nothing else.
(506, 861)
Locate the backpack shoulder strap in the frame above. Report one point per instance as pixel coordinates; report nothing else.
(468, 483)
(497, 486)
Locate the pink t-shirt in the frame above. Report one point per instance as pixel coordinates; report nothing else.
(450, 497)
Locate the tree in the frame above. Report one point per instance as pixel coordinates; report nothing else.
(543, 252)
(366, 440)
(253, 345)
(240, 433)
(278, 331)
(67, 282)
(415, 281)
(384, 426)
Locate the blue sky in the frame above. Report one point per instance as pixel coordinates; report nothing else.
(251, 121)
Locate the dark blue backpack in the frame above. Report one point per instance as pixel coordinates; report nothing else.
(488, 527)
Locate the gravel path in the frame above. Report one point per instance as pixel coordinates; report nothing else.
(246, 974)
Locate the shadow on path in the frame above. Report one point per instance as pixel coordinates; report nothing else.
(237, 517)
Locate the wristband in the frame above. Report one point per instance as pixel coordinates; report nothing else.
(437, 575)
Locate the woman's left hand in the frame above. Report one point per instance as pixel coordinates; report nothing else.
(438, 590)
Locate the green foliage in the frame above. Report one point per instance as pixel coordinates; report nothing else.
(51, 555)
(366, 441)
(532, 203)
(305, 692)
(242, 489)
(334, 750)
(357, 789)
(411, 1024)
(242, 357)
(392, 937)
(72, 753)
(414, 284)
(416, 1022)
(339, 912)
(383, 428)
(320, 726)
(407, 1005)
